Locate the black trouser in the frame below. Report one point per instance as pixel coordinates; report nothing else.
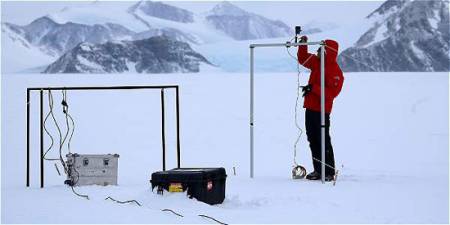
(313, 131)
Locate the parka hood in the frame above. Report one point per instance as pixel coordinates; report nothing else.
(331, 49)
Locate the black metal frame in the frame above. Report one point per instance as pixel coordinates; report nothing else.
(41, 100)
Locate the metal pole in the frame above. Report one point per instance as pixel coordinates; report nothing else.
(251, 111)
(42, 136)
(322, 108)
(288, 44)
(28, 138)
(163, 135)
(103, 88)
(178, 125)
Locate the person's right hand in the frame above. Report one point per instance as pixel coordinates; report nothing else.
(306, 89)
(303, 39)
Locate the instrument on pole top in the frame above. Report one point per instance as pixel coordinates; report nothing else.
(298, 30)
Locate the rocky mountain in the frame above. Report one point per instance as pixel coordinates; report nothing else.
(97, 23)
(158, 54)
(55, 39)
(163, 11)
(243, 25)
(167, 31)
(405, 36)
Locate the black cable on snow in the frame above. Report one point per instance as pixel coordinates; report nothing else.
(123, 202)
(80, 195)
(169, 210)
(217, 221)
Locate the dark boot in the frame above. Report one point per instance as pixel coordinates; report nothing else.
(313, 176)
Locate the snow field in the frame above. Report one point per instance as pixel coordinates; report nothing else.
(389, 130)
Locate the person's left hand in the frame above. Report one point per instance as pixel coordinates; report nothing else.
(306, 89)
(303, 39)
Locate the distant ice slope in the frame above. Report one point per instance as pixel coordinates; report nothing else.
(233, 56)
(404, 36)
(100, 12)
(163, 11)
(18, 54)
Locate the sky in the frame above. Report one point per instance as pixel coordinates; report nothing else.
(291, 12)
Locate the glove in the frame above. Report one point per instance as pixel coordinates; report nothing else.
(306, 89)
(303, 39)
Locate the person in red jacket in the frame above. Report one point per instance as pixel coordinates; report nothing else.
(334, 80)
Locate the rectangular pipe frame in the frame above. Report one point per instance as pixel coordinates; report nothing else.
(322, 99)
(41, 112)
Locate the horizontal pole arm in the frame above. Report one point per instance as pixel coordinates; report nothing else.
(103, 88)
(287, 44)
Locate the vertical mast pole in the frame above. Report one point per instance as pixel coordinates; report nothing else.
(251, 111)
(163, 130)
(322, 109)
(177, 105)
(42, 135)
(28, 138)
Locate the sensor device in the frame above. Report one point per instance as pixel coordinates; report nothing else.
(90, 169)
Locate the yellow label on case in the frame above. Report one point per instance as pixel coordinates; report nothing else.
(175, 187)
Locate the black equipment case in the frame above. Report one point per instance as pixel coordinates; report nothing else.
(204, 184)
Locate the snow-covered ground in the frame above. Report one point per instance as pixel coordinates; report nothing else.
(389, 131)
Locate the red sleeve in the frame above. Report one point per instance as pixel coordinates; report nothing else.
(306, 59)
(333, 86)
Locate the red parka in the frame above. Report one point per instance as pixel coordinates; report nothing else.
(334, 78)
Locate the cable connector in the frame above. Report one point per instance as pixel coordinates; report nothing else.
(65, 106)
(69, 182)
(288, 44)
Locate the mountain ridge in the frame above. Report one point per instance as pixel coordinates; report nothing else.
(243, 25)
(405, 36)
(159, 54)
